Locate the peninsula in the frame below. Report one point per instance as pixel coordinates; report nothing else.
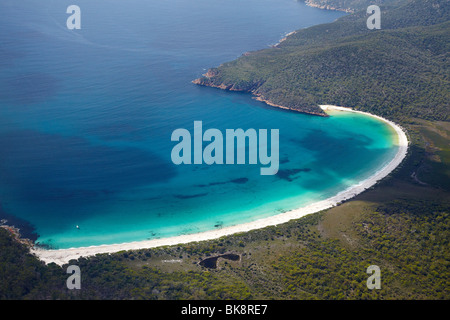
(344, 63)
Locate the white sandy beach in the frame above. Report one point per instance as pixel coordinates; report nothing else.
(63, 256)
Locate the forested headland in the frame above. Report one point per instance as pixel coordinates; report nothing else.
(399, 71)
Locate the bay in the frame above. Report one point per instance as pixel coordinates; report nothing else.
(86, 118)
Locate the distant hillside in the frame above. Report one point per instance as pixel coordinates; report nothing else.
(349, 5)
(399, 71)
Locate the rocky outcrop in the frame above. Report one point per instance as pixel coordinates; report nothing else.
(213, 79)
(313, 3)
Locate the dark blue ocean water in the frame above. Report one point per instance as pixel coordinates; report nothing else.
(86, 118)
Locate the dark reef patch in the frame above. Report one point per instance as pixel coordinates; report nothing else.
(41, 166)
(288, 174)
(27, 230)
(236, 181)
(189, 196)
(239, 181)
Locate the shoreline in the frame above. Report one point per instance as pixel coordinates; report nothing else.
(284, 38)
(310, 3)
(63, 256)
(268, 102)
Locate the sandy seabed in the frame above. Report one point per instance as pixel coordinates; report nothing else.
(63, 256)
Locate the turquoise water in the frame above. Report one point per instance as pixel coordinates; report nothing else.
(86, 118)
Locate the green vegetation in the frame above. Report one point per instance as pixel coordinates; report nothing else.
(22, 275)
(399, 72)
(402, 224)
(434, 167)
(406, 240)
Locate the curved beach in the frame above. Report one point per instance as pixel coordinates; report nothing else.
(63, 256)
